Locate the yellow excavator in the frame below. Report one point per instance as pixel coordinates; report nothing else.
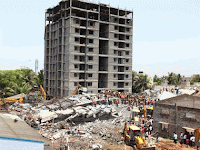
(133, 137)
(149, 112)
(76, 90)
(43, 92)
(134, 116)
(197, 137)
(10, 100)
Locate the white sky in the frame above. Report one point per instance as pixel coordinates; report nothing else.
(166, 35)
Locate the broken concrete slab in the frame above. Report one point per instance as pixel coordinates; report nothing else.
(65, 112)
(47, 115)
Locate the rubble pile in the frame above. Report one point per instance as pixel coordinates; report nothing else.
(69, 120)
(52, 112)
(152, 94)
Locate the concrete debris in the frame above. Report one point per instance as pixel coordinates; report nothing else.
(47, 115)
(76, 117)
(96, 147)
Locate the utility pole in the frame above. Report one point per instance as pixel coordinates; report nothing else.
(176, 117)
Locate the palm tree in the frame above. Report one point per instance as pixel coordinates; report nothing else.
(140, 83)
(18, 81)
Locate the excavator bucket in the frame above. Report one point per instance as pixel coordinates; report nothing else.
(21, 100)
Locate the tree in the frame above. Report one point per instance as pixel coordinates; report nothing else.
(195, 79)
(174, 79)
(40, 77)
(158, 80)
(17, 81)
(140, 83)
(178, 79)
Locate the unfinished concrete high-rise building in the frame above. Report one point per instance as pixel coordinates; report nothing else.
(88, 44)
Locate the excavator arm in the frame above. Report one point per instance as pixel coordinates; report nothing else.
(10, 100)
(144, 110)
(76, 90)
(43, 92)
(197, 136)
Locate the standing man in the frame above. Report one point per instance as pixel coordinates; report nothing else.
(40, 119)
(117, 102)
(151, 121)
(181, 137)
(184, 138)
(150, 129)
(175, 137)
(95, 103)
(157, 140)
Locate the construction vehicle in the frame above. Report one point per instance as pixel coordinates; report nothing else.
(149, 112)
(197, 137)
(10, 100)
(133, 137)
(135, 116)
(43, 92)
(76, 90)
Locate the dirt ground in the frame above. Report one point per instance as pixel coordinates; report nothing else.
(165, 144)
(117, 147)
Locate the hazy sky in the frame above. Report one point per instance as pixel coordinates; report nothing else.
(166, 35)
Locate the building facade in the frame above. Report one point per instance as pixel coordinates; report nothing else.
(177, 114)
(88, 44)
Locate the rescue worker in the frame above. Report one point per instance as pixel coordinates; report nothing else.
(95, 103)
(40, 119)
(117, 102)
(129, 102)
(47, 124)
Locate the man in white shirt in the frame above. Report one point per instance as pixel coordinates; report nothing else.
(175, 137)
(192, 139)
(150, 129)
(184, 138)
(151, 121)
(181, 137)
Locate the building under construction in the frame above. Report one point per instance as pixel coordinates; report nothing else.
(88, 44)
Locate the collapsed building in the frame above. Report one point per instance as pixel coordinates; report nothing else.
(66, 121)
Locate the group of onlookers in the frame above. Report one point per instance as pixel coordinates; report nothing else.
(187, 138)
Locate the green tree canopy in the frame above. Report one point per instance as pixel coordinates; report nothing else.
(158, 80)
(174, 79)
(40, 77)
(195, 79)
(17, 81)
(140, 82)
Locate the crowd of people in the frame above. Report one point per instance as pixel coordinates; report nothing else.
(187, 138)
(123, 98)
